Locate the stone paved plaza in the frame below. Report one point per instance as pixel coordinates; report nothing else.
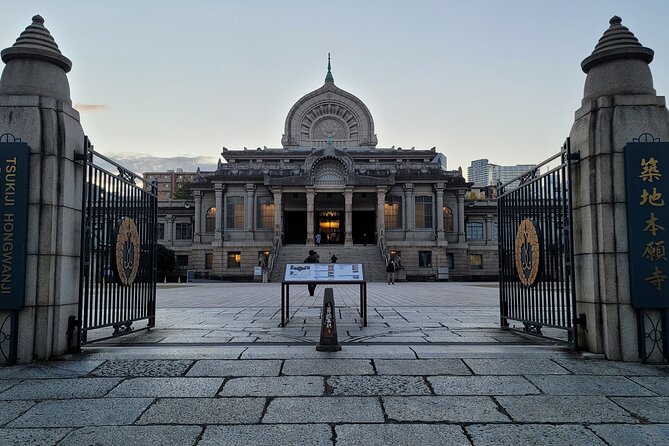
(187, 388)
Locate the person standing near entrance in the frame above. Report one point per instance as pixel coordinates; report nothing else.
(333, 259)
(317, 239)
(312, 258)
(390, 269)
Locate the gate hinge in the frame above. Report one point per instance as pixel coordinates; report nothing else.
(73, 324)
(580, 320)
(574, 156)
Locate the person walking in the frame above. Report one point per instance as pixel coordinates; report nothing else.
(333, 259)
(390, 269)
(312, 258)
(317, 238)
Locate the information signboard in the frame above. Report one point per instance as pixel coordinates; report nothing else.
(647, 193)
(324, 272)
(14, 175)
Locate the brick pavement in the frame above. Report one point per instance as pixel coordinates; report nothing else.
(412, 391)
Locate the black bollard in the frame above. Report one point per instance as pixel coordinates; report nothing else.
(329, 342)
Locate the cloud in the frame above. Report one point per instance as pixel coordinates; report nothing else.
(91, 107)
(140, 162)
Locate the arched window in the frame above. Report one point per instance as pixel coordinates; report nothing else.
(210, 221)
(448, 219)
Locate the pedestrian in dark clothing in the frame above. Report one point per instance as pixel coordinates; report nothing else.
(333, 259)
(312, 258)
(390, 269)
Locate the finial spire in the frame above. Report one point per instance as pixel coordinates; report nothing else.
(328, 77)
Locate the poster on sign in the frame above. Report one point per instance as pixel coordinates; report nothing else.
(324, 272)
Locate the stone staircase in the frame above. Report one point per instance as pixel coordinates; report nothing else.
(370, 256)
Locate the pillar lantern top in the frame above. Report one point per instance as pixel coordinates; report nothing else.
(618, 42)
(35, 42)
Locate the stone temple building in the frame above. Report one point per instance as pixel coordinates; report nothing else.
(266, 206)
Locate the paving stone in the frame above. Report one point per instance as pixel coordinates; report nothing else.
(482, 385)
(514, 366)
(133, 435)
(400, 435)
(348, 352)
(588, 385)
(563, 409)
(268, 435)
(204, 411)
(421, 367)
(91, 412)
(603, 367)
(240, 367)
(7, 383)
(329, 367)
(275, 386)
(142, 367)
(630, 434)
(60, 389)
(31, 437)
(193, 352)
(12, 409)
(324, 410)
(531, 434)
(378, 385)
(657, 384)
(653, 409)
(51, 369)
(168, 387)
(461, 409)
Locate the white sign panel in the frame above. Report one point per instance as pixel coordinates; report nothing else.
(324, 272)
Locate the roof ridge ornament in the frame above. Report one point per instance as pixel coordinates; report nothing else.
(35, 42)
(329, 77)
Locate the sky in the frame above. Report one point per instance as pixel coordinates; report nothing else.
(163, 84)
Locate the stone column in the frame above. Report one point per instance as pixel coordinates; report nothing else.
(348, 215)
(169, 229)
(439, 191)
(487, 236)
(197, 230)
(278, 221)
(35, 107)
(619, 104)
(461, 216)
(249, 220)
(310, 215)
(380, 212)
(409, 212)
(218, 230)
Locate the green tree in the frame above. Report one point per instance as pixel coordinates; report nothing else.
(183, 192)
(165, 260)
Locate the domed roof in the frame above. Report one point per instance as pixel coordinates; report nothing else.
(329, 115)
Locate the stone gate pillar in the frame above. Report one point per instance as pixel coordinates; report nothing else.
(619, 104)
(35, 107)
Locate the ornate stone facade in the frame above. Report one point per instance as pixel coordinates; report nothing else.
(330, 178)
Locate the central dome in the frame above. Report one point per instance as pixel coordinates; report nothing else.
(329, 115)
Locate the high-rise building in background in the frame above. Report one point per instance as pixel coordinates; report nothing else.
(169, 182)
(483, 173)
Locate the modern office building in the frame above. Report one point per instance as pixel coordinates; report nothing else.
(483, 173)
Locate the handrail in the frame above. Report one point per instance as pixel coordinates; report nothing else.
(384, 249)
(276, 244)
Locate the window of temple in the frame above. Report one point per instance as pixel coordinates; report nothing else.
(160, 231)
(450, 260)
(474, 231)
(448, 219)
(329, 171)
(184, 231)
(425, 259)
(235, 213)
(210, 221)
(208, 260)
(423, 212)
(234, 259)
(265, 213)
(393, 212)
(493, 236)
(475, 261)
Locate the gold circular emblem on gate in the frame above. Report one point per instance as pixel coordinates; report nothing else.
(127, 251)
(528, 252)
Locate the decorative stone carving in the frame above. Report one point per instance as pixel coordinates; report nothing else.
(329, 171)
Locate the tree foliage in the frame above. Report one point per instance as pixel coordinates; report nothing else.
(183, 192)
(165, 260)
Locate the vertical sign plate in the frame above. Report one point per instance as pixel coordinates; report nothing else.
(14, 175)
(647, 193)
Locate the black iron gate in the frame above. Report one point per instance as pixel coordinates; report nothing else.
(536, 279)
(118, 255)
